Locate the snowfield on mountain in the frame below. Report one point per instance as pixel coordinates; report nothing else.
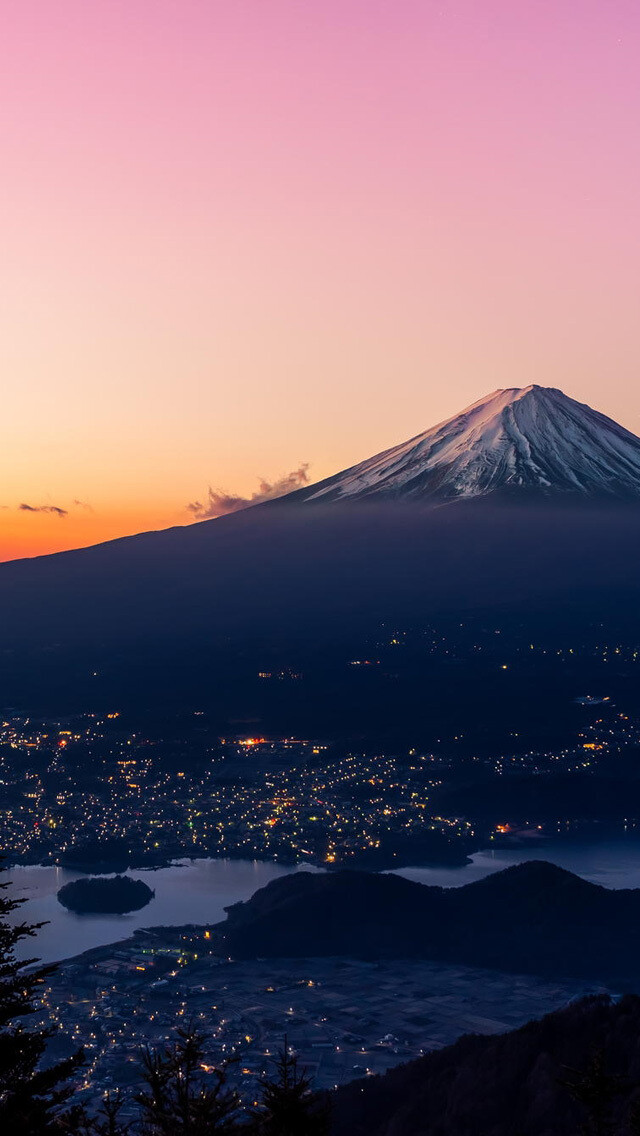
(533, 439)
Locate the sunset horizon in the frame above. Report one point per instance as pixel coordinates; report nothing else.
(241, 243)
(44, 528)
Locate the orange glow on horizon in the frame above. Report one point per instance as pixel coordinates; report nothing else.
(244, 238)
(27, 536)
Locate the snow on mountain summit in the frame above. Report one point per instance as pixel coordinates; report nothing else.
(531, 440)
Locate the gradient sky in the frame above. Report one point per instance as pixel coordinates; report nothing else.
(239, 236)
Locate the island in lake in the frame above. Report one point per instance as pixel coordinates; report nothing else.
(114, 896)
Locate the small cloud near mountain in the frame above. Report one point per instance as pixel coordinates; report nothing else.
(52, 510)
(218, 502)
(55, 509)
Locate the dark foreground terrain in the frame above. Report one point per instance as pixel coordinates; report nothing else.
(511, 1084)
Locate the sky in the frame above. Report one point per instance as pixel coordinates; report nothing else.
(260, 241)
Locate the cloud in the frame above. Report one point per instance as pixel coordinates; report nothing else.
(44, 509)
(218, 503)
(82, 505)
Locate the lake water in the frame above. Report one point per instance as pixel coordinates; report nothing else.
(614, 863)
(197, 891)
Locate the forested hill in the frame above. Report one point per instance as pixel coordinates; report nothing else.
(532, 918)
(510, 1085)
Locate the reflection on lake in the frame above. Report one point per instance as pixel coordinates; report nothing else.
(197, 891)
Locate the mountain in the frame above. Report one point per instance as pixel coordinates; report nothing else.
(522, 441)
(533, 917)
(522, 513)
(511, 1083)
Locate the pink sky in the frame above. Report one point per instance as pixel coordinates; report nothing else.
(242, 236)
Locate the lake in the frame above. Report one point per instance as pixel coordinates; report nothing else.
(193, 891)
(197, 891)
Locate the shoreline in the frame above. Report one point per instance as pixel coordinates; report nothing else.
(620, 871)
(107, 868)
(593, 831)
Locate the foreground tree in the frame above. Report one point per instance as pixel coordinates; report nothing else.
(107, 1122)
(76, 1121)
(179, 1098)
(288, 1107)
(634, 1118)
(32, 1093)
(596, 1090)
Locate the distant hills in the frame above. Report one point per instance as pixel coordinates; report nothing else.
(532, 918)
(510, 1085)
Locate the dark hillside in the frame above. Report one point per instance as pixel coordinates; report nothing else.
(533, 918)
(502, 1086)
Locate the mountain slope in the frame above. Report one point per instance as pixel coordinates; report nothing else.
(515, 442)
(160, 615)
(504, 1085)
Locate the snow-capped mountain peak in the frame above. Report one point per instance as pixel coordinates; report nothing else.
(530, 440)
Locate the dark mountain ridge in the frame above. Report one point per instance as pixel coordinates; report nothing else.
(318, 568)
(272, 565)
(533, 917)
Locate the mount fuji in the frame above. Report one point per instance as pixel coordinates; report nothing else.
(524, 509)
(522, 441)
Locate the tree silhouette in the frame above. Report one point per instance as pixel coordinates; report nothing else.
(634, 1118)
(78, 1122)
(32, 1092)
(595, 1089)
(180, 1098)
(288, 1107)
(107, 1122)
